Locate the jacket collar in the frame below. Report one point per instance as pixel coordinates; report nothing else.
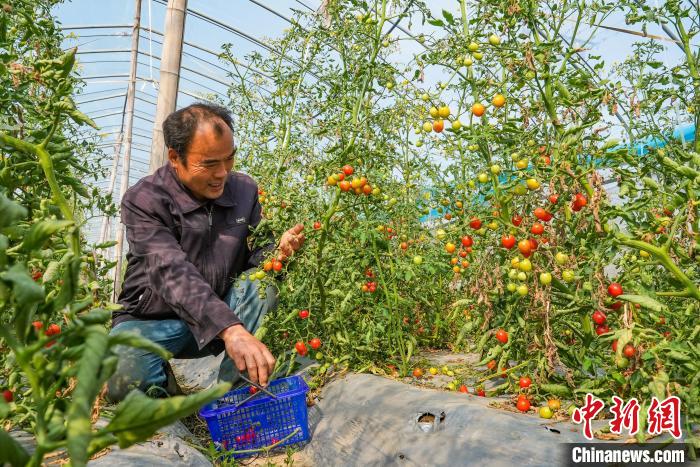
(183, 196)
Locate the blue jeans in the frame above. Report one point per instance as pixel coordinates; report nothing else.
(143, 370)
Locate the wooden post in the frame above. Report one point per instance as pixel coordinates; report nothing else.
(169, 77)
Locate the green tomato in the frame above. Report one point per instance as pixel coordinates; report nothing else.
(522, 277)
(520, 190)
(561, 258)
(483, 177)
(513, 273)
(522, 290)
(494, 39)
(471, 184)
(545, 278)
(309, 178)
(417, 260)
(622, 362)
(450, 373)
(587, 286)
(546, 412)
(441, 234)
(525, 265)
(568, 275)
(260, 275)
(511, 287)
(495, 169)
(473, 46)
(451, 386)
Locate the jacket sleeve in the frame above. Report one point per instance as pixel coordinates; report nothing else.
(258, 253)
(169, 272)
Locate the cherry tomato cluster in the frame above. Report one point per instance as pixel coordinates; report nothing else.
(369, 287)
(246, 438)
(359, 185)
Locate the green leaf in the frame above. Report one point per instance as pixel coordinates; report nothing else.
(11, 451)
(41, 231)
(646, 302)
(133, 339)
(79, 427)
(138, 416)
(448, 17)
(10, 212)
(78, 117)
(436, 22)
(27, 292)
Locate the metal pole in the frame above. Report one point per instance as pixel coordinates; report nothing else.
(112, 181)
(169, 77)
(129, 116)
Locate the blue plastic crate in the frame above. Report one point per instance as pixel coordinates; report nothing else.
(263, 420)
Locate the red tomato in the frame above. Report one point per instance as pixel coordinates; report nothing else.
(277, 265)
(599, 317)
(614, 345)
(537, 229)
(341, 176)
(438, 126)
(7, 394)
(53, 329)
(369, 273)
(463, 388)
(616, 305)
(317, 225)
(524, 382)
(614, 289)
(475, 223)
(629, 351)
(462, 254)
(540, 213)
(348, 170)
(315, 343)
(533, 244)
(508, 241)
(516, 220)
(525, 247)
(37, 276)
(467, 241)
(523, 405)
(480, 392)
(491, 365)
(579, 202)
(37, 325)
(303, 314)
(403, 245)
(301, 348)
(367, 189)
(252, 390)
(602, 329)
(553, 199)
(417, 373)
(345, 185)
(502, 336)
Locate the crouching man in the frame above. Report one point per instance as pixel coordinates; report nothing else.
(187, 226)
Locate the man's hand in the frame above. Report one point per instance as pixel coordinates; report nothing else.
(291, 241)
(248, 353)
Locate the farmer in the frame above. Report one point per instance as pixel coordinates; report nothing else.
(187, 226)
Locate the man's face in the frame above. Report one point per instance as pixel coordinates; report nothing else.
(209, 161)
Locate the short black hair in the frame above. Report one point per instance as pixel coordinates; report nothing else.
(180, 126)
